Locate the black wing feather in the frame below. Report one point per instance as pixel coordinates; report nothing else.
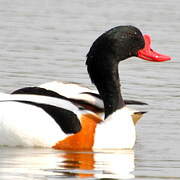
(67, 120)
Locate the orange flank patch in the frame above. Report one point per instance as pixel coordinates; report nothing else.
(84, 139)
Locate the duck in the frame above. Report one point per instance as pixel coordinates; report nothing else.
(45, 116)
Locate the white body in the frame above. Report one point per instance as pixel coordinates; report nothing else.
(23, 124)
(27, 125)
(116, 132)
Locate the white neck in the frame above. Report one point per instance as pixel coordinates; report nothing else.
(116, 132)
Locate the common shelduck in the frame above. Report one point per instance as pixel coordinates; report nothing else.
(72, 119)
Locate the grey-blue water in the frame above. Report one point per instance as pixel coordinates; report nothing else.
(44, 40)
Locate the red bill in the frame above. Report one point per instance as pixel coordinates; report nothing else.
(148, 54)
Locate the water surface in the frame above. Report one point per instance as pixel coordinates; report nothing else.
(48, 40)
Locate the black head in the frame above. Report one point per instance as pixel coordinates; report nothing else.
(107, 51)
(117, 44)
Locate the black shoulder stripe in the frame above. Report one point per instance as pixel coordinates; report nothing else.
(85, 105)
(133, 102)
(140, 112)
(38, 91)
(67, 120)
(127, 102)
(45, 92)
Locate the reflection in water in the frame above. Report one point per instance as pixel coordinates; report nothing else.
(27, 163)
(79, 164)
(117, 164)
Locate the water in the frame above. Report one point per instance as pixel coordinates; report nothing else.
(48, 40)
